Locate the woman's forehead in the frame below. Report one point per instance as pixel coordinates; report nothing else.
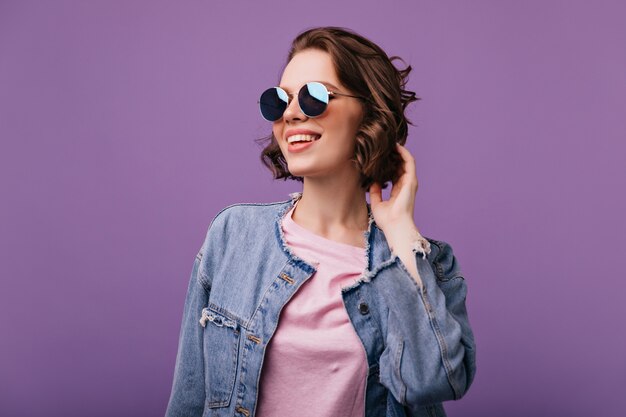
(309, 65)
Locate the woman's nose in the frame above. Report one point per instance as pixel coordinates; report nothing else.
(293, 111)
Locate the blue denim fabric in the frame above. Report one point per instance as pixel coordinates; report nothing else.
(419, 345)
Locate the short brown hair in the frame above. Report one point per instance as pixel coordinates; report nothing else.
(366, 70)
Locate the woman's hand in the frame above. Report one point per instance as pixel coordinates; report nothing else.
(395, 216)
(397, 212)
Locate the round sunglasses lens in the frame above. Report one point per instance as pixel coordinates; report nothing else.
(313, 99)
(273, 103)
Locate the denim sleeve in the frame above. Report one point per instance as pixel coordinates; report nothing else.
(188, 391)
(429, 354)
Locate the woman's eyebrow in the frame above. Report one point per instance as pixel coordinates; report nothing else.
(326, 83)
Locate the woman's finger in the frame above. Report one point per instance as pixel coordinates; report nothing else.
(376, 195)
(409, 161)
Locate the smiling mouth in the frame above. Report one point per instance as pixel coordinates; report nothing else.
(302, 138)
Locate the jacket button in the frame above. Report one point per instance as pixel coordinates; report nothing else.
(364, 308)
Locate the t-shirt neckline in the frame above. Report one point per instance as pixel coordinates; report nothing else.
(321, 239)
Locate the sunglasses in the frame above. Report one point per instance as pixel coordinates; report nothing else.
(313, 100)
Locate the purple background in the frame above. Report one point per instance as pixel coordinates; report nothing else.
(126, 126)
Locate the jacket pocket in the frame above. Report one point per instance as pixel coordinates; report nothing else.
(221, 347)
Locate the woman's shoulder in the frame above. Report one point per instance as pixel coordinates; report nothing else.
(243, 219)
(249, 211)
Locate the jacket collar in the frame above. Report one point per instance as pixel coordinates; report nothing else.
(377, 252)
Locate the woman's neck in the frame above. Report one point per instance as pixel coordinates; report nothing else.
(327, 210)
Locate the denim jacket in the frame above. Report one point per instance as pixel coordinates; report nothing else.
(418, 342)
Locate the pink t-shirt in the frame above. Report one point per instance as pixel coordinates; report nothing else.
(315, 364)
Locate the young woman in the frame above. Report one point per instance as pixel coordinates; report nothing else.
(325, 304)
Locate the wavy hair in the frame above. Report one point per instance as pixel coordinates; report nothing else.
(366, 70)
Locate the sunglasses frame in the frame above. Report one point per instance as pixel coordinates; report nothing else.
(291, 96)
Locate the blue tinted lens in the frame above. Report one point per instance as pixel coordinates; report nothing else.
(313, 99)
(273, 103)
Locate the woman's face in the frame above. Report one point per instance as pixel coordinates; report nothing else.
(336, 127)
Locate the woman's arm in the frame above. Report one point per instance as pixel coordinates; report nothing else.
(188, 390)
(429, 353)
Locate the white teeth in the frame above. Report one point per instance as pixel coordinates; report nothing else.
(302, 138)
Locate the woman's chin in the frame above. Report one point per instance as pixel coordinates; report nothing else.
(299, 171)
